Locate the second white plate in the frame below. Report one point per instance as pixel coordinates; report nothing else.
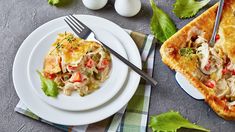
(52, 114)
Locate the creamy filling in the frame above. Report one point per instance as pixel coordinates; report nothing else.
(219, 71)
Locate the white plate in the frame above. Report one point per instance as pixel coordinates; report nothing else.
(75, 102)
(52, 114)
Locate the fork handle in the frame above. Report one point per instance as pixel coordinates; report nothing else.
(144, 75)
(217, 22)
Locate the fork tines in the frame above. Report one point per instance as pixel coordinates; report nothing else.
(77, 26)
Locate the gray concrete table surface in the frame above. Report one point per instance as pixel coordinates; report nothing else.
(18, 18)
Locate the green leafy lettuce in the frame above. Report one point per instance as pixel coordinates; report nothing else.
(54, 2)
(161, 25)
(188, 8)
(49, 87)
(170, 122)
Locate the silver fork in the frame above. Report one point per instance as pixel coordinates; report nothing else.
(217, 22)
(215, 28)
(84, 32)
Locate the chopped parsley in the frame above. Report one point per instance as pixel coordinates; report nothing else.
(187, 52)
(70, 38)
(59, 45)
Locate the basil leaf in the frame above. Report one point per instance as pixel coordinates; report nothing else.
(161, 25)
(170, 122)
(49, 87)
(53, 2)
(188, 8)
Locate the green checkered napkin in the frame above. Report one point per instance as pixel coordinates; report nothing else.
(133, 117)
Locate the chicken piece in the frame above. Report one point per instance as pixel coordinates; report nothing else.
(52, 64)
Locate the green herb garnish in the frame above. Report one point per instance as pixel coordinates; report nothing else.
(171, 122)
(188, 8)
(187, 52)
(97, 76)
(59, 45)
(70, 38)
(49, 87)
(161, 24)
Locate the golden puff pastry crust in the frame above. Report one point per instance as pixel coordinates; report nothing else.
(228, 28)
(203, 26)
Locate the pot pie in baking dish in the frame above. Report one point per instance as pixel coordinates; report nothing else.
(74, 64)
(209, 69)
